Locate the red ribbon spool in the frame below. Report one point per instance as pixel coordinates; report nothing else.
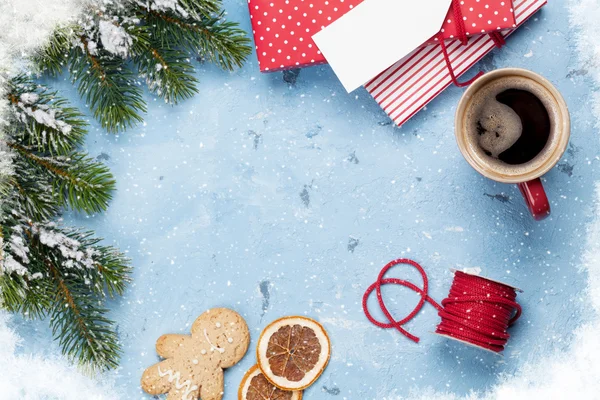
(477, 311)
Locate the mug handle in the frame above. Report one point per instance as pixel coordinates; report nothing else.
(536, 199)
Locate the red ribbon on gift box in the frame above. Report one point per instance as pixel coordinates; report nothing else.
(462, 36)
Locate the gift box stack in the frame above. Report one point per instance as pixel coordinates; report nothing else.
(283, 33)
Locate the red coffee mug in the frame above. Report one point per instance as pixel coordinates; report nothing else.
(527, 175)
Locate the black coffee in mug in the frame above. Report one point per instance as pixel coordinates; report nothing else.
(509, 121)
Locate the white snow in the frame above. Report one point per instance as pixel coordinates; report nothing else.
(585, 15)
(28, 26)
(29, 377)
(42, 113)
(18, 247)
(114, 38)
(91, 46)
(25, 28)
(10, 265)
(29, 98)
(6, 167)
(68, 247)
(167, 5)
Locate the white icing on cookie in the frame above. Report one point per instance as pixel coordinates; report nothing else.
(218, 324)
(212, 346)
(230, 340)
(189, 388)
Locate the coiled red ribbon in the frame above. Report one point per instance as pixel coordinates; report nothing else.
(462, 36)
(477, 310)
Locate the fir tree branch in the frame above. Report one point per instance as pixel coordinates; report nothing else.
(46, 270)
(113, 270)
(201, 8)
(80, 326)
(163, 34)
(110, 270)
(17, 292)
(79, 181)
(212, 37)
(168, 73)
(33, 196)
(108, 86)
(67, 278)
(16, 299)
(51, 58)
(44, 120)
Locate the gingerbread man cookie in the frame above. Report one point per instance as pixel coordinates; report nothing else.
(193, 365)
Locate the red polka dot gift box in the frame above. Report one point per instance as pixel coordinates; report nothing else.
(283, 29)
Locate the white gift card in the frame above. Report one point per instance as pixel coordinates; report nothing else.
(377, 33)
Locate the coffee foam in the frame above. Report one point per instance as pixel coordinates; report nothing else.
(500, 126)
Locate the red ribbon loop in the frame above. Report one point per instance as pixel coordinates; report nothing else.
(462, 37)
(386, 281)
(451, 70)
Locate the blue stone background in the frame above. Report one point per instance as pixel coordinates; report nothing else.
(277, 198)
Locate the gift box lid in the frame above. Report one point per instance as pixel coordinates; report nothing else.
(283, 29)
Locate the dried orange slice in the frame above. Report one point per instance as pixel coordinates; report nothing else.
(255, 386)
(292, 352)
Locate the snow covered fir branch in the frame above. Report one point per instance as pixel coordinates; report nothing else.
(109, 48)
(47, 270)
(117, 44)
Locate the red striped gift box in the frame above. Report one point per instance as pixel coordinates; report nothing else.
(410, 84)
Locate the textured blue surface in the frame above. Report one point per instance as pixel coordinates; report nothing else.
(277, 199)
